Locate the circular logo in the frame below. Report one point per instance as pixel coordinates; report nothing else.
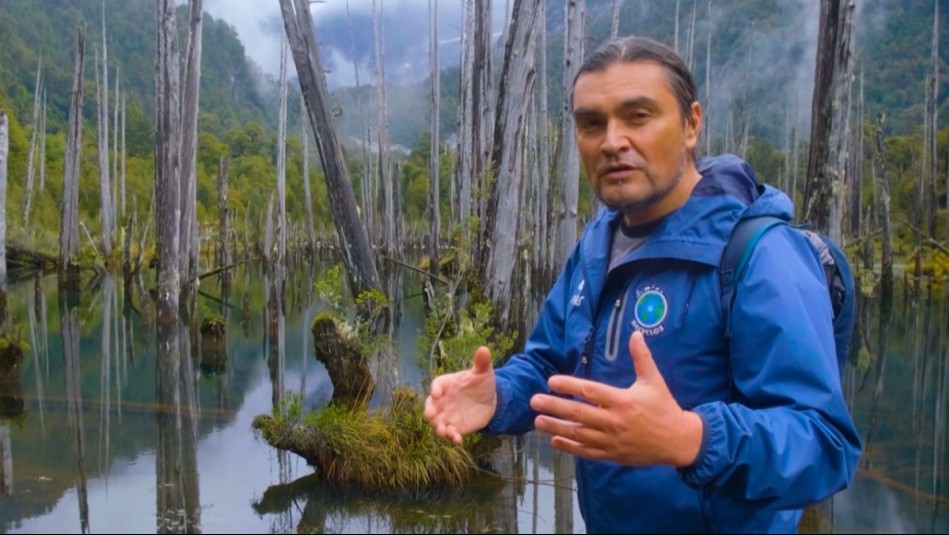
(651, 308)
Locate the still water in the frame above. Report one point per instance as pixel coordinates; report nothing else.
(112, 426)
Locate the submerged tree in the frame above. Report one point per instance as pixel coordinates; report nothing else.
(167, 160)
(353, 240)
(830, 117)
(69, 218)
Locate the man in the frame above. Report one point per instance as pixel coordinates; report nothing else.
(675, 426)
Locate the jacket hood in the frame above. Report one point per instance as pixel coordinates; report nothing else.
(699, 229)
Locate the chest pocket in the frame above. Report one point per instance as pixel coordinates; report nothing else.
(676, 306)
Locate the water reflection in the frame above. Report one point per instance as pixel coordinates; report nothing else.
(139, 427)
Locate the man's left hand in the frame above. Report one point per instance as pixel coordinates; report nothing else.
(638, 426)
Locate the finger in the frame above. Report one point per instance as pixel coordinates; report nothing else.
(482, 360)
(592, 391)
(577, 435)
(574, 412)
(643, 362)
(575, 448)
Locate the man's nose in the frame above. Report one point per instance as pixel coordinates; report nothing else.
(615, 140)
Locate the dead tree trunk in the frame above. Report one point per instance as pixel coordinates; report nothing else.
(517, 84)
(830, 116)
(483, 106)
(569, 159)
(188, 226)
(932, 122)
(434, 218)
(706, 122)
(30, 160)
(617, 7)
(465, 163)
(307, 195)
(4, 150)
(542, 223)
(167, 161)
(883, 188)
(102, 137)
(389, 237)
(223, 246)
(282, 164)
(69, 218)
(353, 241)
(42, 158)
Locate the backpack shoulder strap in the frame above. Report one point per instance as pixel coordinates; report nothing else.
(735, 257)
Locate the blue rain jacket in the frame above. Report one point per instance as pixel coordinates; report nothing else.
(778, 435)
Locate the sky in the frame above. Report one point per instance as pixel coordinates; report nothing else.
(258, 23)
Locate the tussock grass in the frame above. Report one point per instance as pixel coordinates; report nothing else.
(395, 448)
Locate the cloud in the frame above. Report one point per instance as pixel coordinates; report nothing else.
(259, 25)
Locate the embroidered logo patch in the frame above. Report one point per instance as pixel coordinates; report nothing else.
(578, 296)
(650, 311)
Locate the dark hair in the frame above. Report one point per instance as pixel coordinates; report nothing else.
(635, 48)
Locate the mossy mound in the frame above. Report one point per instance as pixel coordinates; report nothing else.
(387, 449)
(213, 325)
(12, 349)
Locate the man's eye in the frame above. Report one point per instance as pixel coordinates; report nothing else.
(588, 126)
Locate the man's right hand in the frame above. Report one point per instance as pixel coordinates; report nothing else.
(463, 402)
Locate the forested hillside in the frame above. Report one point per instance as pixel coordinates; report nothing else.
(757, 56)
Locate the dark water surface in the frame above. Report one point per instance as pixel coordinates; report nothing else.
(114, 427)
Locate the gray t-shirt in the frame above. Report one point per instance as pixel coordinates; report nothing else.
(627, 238)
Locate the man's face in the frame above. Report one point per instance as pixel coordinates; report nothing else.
(635, 145)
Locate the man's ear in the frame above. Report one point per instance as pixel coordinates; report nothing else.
(693, 125)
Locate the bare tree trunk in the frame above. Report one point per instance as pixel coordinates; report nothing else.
(517, 84)
(354, 243)
(932, 121)
(465, 164)
(830, 116)
(42, 159)
(307, 195)
(224, 254)
(690, 48)
(102, 136)
(282, 165)
(883, 188)
(542, 224)
(617, 6)
(570, 161)
(167, 161)
(706, 120)
(675, 38)
(856, 169)
(114, 202)
(188, 229)
(389, 238)
(366, 184)
(434, 217)
(4, 151)
(124, 153)
(69, 218)
(30, 159)
(483, 105)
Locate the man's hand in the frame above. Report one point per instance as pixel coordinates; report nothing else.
(463, 402)
(639, 426)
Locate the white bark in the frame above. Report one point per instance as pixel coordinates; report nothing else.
(386, 177)
(569, 159)
(354, 243)
(434, 161)
(30, 159)
(167, 160)
(4, 150)
(307, 195)
(517, 84)
(69, 218)
(188, 229)
(102, 132)
(617, 7)
(282, 162)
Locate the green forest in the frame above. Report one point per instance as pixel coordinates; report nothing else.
(238, 115)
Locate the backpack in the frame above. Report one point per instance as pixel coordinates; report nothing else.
(837, 271)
